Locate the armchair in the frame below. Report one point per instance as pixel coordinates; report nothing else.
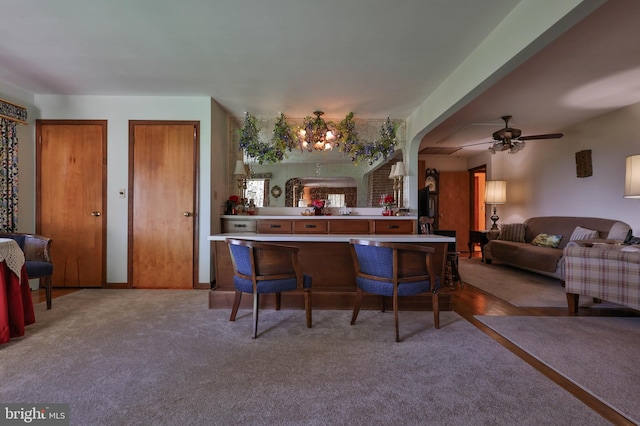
(266, 268)
(394, 270)
(37, 256)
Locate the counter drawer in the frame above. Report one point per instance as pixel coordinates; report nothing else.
(235, 226)
(392, 226)
(304, 226)
(348, 226)
(274, 227)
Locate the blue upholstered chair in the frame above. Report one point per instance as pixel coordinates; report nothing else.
(266, 268)
(394, 270)
(38, 263)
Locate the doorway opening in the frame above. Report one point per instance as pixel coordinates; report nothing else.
(478, 176)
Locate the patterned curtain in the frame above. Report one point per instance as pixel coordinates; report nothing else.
(8, 176)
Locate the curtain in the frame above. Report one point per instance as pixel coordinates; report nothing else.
(8, 176)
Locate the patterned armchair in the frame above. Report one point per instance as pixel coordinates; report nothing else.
(266, 268)
(38, 263)
(394, 270)
(608, 272)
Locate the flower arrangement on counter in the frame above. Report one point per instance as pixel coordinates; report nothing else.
(387, 202)
(318, 205)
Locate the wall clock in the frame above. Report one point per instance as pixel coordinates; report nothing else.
(431, 181)
(276, 191)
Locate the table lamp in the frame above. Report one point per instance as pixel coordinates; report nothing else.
(495, 193)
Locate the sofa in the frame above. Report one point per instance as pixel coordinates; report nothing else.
(537, 244)
(604, 272)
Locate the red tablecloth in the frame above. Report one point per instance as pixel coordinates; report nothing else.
(16, 306)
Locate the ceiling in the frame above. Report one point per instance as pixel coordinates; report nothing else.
(376, 58)
(591, 69)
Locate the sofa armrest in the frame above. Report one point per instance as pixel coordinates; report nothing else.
(493, 234)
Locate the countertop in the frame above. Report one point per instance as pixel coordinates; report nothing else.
(300, 216)
(336, 238)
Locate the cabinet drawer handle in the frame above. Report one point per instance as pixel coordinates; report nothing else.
(274, 226)
(309, 226)
(240, 226)
(392, 227)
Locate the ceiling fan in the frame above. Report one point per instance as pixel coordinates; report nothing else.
(510, 139)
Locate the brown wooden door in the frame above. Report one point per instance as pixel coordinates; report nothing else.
(162, 208)
(454, 206)
(71, 198)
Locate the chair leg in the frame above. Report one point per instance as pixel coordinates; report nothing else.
(435, 301)
(236, 305)
(278, 300)
(395, 316)
(255, 314)
(356, 307)
(381, 303)
(307, 306)
(47, 289)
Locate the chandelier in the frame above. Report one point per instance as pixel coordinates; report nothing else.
(318, 134)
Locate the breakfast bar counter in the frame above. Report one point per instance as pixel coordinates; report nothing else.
(327, 258)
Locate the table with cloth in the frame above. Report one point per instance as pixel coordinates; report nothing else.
(16, 306)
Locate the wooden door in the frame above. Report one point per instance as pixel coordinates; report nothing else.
(454, 206)
(162, 208)
(71, 198)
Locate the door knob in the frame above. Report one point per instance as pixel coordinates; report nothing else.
(187, 214)
(95, 214)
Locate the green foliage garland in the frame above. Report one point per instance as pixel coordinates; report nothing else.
(252, 145)
(283, 139)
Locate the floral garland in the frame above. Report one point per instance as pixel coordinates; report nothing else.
(252, 145)
(348, 141)
(283, 135)
(383, 147)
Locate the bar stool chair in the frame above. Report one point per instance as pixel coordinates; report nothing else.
(266, 268)
(452, 276)
(394, 270)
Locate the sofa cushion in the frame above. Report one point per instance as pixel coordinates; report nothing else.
(526, 256)
(580, 233)
(512, 232)
(547, 240)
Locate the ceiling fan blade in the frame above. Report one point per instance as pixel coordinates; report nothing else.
(548, 136)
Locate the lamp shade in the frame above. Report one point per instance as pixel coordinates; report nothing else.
(240, 170)
(392, 174)
(632, 177)
(400, 168)
(496, 192)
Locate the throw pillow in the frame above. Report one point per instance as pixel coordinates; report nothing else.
(581, 233)
(513, 232)
(547, 240)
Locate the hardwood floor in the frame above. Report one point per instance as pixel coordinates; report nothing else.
(469, 301)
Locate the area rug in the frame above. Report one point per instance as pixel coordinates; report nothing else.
(599, 354)
(162, 357)
(519, 287)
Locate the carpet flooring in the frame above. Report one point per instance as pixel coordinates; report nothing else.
(161, 357)
(597, 353)
(519, 287)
